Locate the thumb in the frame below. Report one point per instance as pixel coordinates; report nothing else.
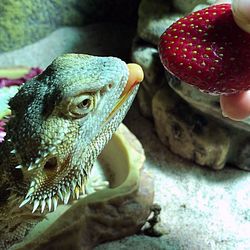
(241, 11)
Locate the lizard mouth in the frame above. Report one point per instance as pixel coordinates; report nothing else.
(135, 77)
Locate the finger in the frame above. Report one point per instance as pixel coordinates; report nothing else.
(241, 10)
(236, 106)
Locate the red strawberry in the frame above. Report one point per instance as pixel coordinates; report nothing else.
(207, 49)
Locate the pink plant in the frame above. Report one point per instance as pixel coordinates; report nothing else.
(6, 82)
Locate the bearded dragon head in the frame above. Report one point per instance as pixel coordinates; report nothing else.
(61, 121)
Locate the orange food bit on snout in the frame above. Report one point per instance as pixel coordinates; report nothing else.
(136, 76)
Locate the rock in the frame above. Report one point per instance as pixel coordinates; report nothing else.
(209, 105)
(199, 7)
(116, 40)
(244, 155)
(147, 56)
(186, 6)
(140, 242)
(187, 133)
(154, 18)
(201, 209)
(26, 21)
(145, 102)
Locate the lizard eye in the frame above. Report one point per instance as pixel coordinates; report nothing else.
(80, 106)
(85, 104)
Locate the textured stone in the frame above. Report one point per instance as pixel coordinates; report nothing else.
(186, 6)
(154, 18)
(243, 159)
(26, 21)
(116, 40)
(145, 102)
(147, 56)
(201, 209)
(199, 7)
(188, 133)
(209, 105)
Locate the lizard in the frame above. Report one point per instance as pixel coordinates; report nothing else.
(60, 122)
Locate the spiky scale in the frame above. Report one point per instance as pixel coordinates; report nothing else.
(49, 202)
(33, 183)
(66, 197)
(77, 192)
(37, 161)
(79, 181)
(55, 202)
(60, 194)
(207, 49)
(32, 166)
(43, 204)
(83, 189)
(73, 185)
(30, 192)
(24, 202)
(36, 205)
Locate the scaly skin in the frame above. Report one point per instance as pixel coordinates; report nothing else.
(61, 120)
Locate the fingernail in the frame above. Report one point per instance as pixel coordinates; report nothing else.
(224, 114)
(241, 10)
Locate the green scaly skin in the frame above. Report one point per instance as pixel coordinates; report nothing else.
(60, 123)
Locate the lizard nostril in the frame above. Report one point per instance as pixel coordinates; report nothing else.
(110, 86)
(51, 164)
(106, 88)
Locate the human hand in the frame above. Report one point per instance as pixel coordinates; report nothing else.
(237, 106)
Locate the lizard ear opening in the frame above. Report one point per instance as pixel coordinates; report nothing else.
(51, 164)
